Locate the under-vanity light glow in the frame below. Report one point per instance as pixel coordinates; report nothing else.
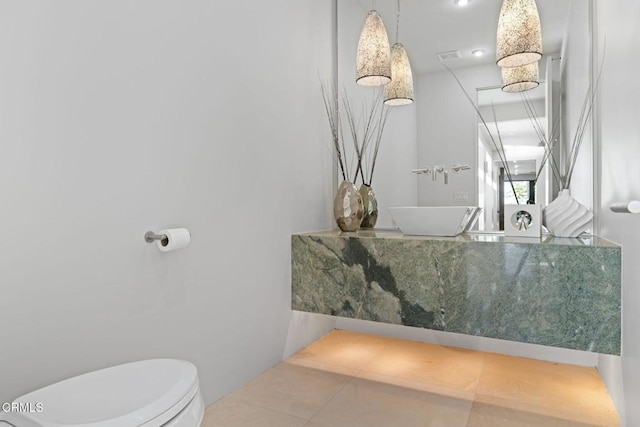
(519, 39)
(400, 90)
(520, 79)
(373, 61)
(477, 53)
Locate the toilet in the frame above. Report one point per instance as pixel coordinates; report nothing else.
(149, 393)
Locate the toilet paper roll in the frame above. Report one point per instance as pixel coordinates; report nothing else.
(177, 238)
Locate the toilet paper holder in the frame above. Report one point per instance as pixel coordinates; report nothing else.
(632, 206)
(169, 239)
(150, 237)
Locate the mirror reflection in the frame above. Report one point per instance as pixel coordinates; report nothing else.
(441, 128)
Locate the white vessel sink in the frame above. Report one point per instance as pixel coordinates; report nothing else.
(434, 221)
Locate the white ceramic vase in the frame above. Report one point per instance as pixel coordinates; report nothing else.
(566, 217)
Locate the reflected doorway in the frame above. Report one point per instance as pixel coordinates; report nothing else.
(525, 192)
(510, 140)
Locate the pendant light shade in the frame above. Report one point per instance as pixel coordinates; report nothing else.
(400, 90)
(520, 79)
(519, 40)
(373, 62)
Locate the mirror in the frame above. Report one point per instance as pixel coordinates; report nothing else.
(441, 126)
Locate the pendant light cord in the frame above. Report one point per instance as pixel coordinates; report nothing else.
(397, 19)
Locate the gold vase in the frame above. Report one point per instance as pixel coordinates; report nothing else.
(347, 207)
(370, 206)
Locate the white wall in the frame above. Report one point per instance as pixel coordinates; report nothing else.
(619, 181)
(447, 131)
(120, 117)
(489, 179)
(393, 182)
(575, 81)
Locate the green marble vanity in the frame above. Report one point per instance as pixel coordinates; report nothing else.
(549, 291)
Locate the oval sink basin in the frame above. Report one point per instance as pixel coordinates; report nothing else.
(434, 221)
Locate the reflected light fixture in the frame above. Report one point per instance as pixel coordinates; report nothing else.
(477, 53)
(373, 60)
(519, 39)
(461, 3)
(400, 90)
(520, 79)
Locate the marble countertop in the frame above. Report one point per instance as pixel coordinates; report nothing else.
(562, 292)
(496, 237)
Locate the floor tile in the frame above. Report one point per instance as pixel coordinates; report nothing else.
(419, 386)
(363, 403)
(344, 350)
(321, 366)
(236, 412)
(292, 389)
(485, 415)
(551, 389)
(439, 366)
(351, 379)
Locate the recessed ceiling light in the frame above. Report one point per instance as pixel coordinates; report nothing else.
(477, 53)
(461, 3)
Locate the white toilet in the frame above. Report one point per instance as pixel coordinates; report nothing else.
(149, 393)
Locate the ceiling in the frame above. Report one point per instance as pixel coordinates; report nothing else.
(429, 27)
(522, 167)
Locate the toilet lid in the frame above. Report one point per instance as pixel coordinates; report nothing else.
(124, 395)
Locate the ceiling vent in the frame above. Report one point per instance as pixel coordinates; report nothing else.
(449, 56)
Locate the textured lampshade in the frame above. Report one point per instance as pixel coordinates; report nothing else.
(373, 62)
(400, 90)
(519, 40)
(519, 79)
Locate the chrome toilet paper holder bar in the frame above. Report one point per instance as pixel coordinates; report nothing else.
(150, 237)
(632, 206)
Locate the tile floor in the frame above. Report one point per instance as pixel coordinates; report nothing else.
(352, 379)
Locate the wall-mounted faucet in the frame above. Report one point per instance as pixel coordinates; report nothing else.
(440, 169)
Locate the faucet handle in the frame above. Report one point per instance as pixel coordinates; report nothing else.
(438, 169)
(420, 171)
(457, 168)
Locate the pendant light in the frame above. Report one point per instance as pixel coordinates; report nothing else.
(520, 79)
(373, 61)
(400, 90)
(519, 40)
